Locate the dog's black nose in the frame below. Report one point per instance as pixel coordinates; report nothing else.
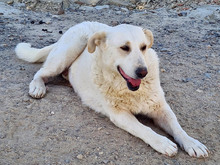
(141, 72)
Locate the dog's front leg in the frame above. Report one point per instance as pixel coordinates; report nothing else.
(129, 123)
(167, 120)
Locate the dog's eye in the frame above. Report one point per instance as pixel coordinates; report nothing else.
(143, 48)
(125, 48)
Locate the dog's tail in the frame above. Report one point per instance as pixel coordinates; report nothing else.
(25, 52)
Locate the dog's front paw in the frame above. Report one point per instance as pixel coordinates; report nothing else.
(37, 88)
(194, 148)
(164, 146)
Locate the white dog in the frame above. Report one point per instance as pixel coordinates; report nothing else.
(115, 72)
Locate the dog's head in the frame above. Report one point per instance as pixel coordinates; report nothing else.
(124, 48)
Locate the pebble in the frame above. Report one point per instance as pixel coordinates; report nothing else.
(41, 22)
(105, 161)
(102, 7)
(80, 156)
(48, 22)
(164, 50)
(124, 9)
(26, 100)
(199, 90)
(10, 2)
(86, 8)
(67, 161)
(55, 16)
(114, 23)
(118, 12)
(52, 113)
(182, 14)
(29, 106)
(4, 45)
(209, 46)
(207, 75)
(63, 130)
(2, 135)
(185, 80)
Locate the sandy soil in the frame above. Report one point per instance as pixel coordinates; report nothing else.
(58, 129)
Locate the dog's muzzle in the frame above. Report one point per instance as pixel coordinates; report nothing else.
(133, 84)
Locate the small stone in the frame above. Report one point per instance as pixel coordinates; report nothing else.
(99, 128)
(48, 22)
(209, 46)
(2, 135)
(4, 45)
(55, 17)
(10, 2)
(63, 130)
(52, 113)
(185, 80)
(163, 70)
(100, 153)
(61, 12)
(118, 12)
(102, 7)
(114, 23)
(124, 9)
(199, 90)
(41, 22)
(67, 161)
(207, 75)
(182, 14)
(86, 8)
(60, 32)
(80, 156)
(26, 99)
(164, 50)
(105, 161)
(29, 106)
(44, 30)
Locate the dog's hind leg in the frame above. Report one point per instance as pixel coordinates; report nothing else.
(67, 49)
(59, 59)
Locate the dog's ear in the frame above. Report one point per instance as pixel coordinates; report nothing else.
(150, 37)
(96, 40)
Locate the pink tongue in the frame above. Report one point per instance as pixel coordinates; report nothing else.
(133, 82)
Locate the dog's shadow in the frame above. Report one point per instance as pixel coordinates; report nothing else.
(150, 123)
(59, 80)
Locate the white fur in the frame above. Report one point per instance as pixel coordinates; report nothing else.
(25, 52)
(93, 52)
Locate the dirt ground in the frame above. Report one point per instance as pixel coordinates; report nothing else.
(58, 129)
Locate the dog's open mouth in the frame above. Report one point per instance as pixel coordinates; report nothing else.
(133, 84)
